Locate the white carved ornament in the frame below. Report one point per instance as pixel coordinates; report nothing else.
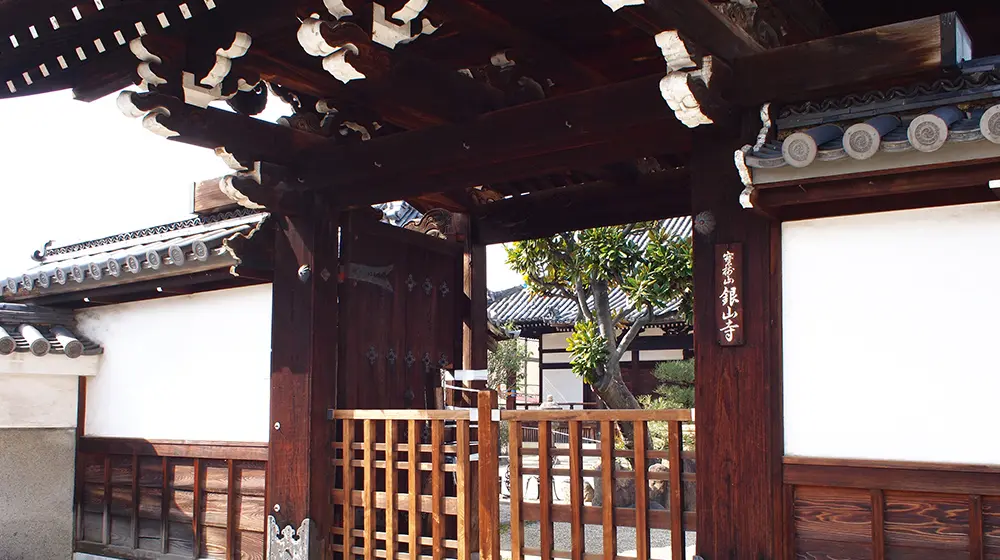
(150, 119)
(677, 92)
(287, 543)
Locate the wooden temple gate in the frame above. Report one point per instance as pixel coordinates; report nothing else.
(529, 118)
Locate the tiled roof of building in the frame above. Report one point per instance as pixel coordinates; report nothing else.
(183, 247)
(31, 329)
(521, 307)
(920, 118)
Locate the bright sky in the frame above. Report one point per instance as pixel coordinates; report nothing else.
(73, 171)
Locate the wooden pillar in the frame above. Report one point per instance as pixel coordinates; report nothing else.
(737, 388)
(474, 327)
(303, 378)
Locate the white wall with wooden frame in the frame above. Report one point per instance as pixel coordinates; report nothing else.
(890, 325)
(194, 367)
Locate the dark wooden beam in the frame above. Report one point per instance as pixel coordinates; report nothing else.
(876, 57)
(476, 18)
(598, 204)
(696, 20)
(910, 180)
(304, 354)
(152, 289)
(809, 16)
(583, 130)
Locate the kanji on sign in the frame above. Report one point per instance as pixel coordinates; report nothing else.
(729, 285)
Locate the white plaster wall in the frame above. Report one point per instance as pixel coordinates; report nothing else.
(38, 401)
(890, 325)
(190, 367)
(563, 385)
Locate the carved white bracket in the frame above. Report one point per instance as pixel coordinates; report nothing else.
(746, 174)
(227, 188)
(675, 51)
(287, 543)
(146, 58)
(616, 5)
(335, 62)
(410, 10)
(150, 119)
(390, 34)
(224, 59)
(677, 93)
(198, 95)
(337, 8)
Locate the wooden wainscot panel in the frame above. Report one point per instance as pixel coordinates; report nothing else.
(991, 528)
(729, 294)
(832, 523)
(926, 525)
(138, 499)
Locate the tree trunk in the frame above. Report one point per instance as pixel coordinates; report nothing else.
(616, 395)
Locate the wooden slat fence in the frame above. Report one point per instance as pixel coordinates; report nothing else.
(671, 508)
(141, 499)
(405, 482)
(402, 484)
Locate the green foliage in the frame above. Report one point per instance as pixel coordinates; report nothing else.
(676, 390)
(589, 349)
(676, 386)
(567, 263)
(506, 364)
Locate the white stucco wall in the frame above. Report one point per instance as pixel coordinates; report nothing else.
(890, 335)
(563, 385)
(189, 367)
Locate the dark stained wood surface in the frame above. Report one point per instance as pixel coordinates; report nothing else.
(874, 509)
(906, 51)
(737, 389)
(603, 203)
(143, 501)
(403, 321)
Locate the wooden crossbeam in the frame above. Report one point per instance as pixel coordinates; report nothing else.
(665, 195)
(697, 20)
(583, 130)
(475, 17)
(869, 58)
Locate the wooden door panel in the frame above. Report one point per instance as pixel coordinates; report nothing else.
(399, 323)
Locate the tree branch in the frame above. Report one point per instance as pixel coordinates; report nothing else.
(633, 332)
(581, 301)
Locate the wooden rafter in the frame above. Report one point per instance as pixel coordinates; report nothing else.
(476, 18)
(697, 20)
(603, 203)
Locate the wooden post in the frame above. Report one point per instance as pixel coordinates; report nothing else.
(303, 376)
(489, 491)
(737, 388)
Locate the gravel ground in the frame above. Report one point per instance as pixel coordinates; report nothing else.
(593, 537)
(593, 534)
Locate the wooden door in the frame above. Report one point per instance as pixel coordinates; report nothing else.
(400, 321)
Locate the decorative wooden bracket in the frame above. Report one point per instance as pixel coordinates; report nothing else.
(346, 50)
(287, 543)
(149, 113)
(686, 87)
(264, 185)
(389, 34)
(746, 174)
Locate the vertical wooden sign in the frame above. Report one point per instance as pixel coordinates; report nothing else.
(729, 294)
